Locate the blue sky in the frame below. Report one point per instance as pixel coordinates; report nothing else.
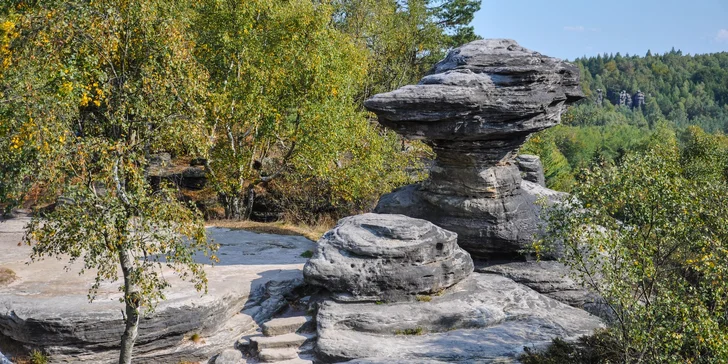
(573, 28)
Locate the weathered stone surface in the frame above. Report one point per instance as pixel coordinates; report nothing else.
(399, 361)
(276, 355)
(484, 318)
(552, 279)
(531, 169)
(229, 356)
(475, 109)
(547, 277)
(291, 340)
(47, 307)
(482, 90)
(487, 227)
(285, 325)
(386, 257)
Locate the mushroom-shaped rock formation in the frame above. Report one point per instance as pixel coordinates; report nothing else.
(475, 109)
(373, 257)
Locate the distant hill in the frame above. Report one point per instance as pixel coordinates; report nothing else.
(679, 91)
(683, 89)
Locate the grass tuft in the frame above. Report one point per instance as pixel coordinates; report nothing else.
(415, 331)
(7, 276)
(280, 228)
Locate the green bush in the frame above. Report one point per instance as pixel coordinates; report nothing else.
(649, 235)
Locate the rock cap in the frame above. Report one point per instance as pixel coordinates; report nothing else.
(486, 89)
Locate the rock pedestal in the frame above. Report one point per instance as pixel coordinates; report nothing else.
(373, 257)
(475, 109)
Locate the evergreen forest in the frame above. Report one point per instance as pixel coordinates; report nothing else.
(681, 91)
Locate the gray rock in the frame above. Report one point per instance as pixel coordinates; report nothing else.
(389, 361)
(547, 277)
(386, 257)
(47, 306)
(484, 318)
(531, 169)
(638, 100)
(487, 227)
(483, 90)
(162, 159)
(475, 109)
(552, 279)
(229, 356)
(600, 97)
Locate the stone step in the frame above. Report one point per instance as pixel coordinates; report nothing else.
(244, 344)
(285, 325)
(299, 360)
(281, 341)
(276, 355)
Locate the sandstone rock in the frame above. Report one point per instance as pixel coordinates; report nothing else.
(510, 222)
(276, 355)
(531, 169)
(389, 361)
(4, 360)
(47, 307)
(475, 109)
(229, 356)
(162, 159)
(482, 90)
(484, 318)
(547, 277)
(285, 325)
(291, 340)
(386, 257)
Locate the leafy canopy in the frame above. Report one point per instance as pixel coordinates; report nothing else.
(649, 235)
(89, 89)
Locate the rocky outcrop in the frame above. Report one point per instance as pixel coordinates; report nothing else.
(161, 168)
(547, 277)
(47, 308)
(484, 318)
(531, 169)
(379, 257)
(475, 109)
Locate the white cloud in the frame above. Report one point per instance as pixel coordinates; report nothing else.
(722, 36)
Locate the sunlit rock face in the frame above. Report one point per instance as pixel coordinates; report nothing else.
(380, 257)
(475, 109)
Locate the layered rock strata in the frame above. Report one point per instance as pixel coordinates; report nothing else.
(475, 109)
(47, 308)
(483, 319)
(531, 169)
(380, 257)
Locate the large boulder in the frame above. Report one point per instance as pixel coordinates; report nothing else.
(475, 109)
(386, 257)
(484, 318)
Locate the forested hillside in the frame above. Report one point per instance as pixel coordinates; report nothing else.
(679, 91)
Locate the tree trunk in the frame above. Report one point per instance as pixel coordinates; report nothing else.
(232, 204)
(131, 300)
(251, 200)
